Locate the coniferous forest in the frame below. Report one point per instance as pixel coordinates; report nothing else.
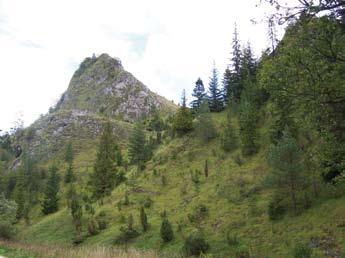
(251, 165)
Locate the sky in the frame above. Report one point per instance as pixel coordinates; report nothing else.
(165, 44)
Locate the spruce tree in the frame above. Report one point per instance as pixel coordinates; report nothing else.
(50, 201)
(167, 234)
(143, 219)
(199, 94)
(234, 84)
(104, 176)
(215, 97)
(137, 145)
(183, 119)
(69, 156)
(287, 174)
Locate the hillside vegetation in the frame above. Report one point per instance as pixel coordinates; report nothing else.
(251, 169)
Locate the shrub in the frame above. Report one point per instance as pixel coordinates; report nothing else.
(199, 212)
(195, 245)
(126, 235)
(147, 202)
(276, 209)
(166, 231)
(232, 239)
(242, 252)
(78, 239)
(7, 230)
(302, 250)
(102, 224)
(92, 227)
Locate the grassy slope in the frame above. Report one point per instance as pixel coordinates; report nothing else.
(233, 194)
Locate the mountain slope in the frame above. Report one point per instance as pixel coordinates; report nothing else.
(99, 90)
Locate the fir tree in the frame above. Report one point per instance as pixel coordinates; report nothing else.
(234, 85)
(143, 219)
(166, 231)
(183, 119)
(215, 98)
(287, 174)
(69, 155)
(50, 201)
(137, 145)
(199, 94)
(104, 176)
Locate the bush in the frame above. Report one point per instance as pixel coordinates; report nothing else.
(166, 231)
(232, 239)
(78, 239)
(126, 235)
(199, 212)
(276, 209)
(242, 252)
(302, 250)
(7, 230)
(195, 245)
(92, 227)
(102, 224)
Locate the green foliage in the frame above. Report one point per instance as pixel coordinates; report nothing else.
(248, 133)
(69, 176)
(286, 175)
(183, 120)
(166, 231)
(127, 233)
(302, 250)
(105, 175)
(206, 168)
(92, 226)
(305, 81)
(276, 208)
(69, 154)
(195, 244)
(229, 138)
(77, 213)
(50, 202)
(137, 146)
(205, 128)
(8, 210)
(215, 98)
(143, 219)
(199, 95)
(19, 197)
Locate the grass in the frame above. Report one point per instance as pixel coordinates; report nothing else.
(235, 196)
(24, 250)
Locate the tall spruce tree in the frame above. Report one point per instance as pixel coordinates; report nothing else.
(215, 98)
(143, 219)
(234, 84)
(104, 177)
(50, 202)
(137, 145)
(69, 156)
(19, 192)
(199, 94)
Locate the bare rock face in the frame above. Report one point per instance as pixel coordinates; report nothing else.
(101, 85)
(99, 91)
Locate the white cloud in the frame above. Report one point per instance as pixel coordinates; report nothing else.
(165, 44)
